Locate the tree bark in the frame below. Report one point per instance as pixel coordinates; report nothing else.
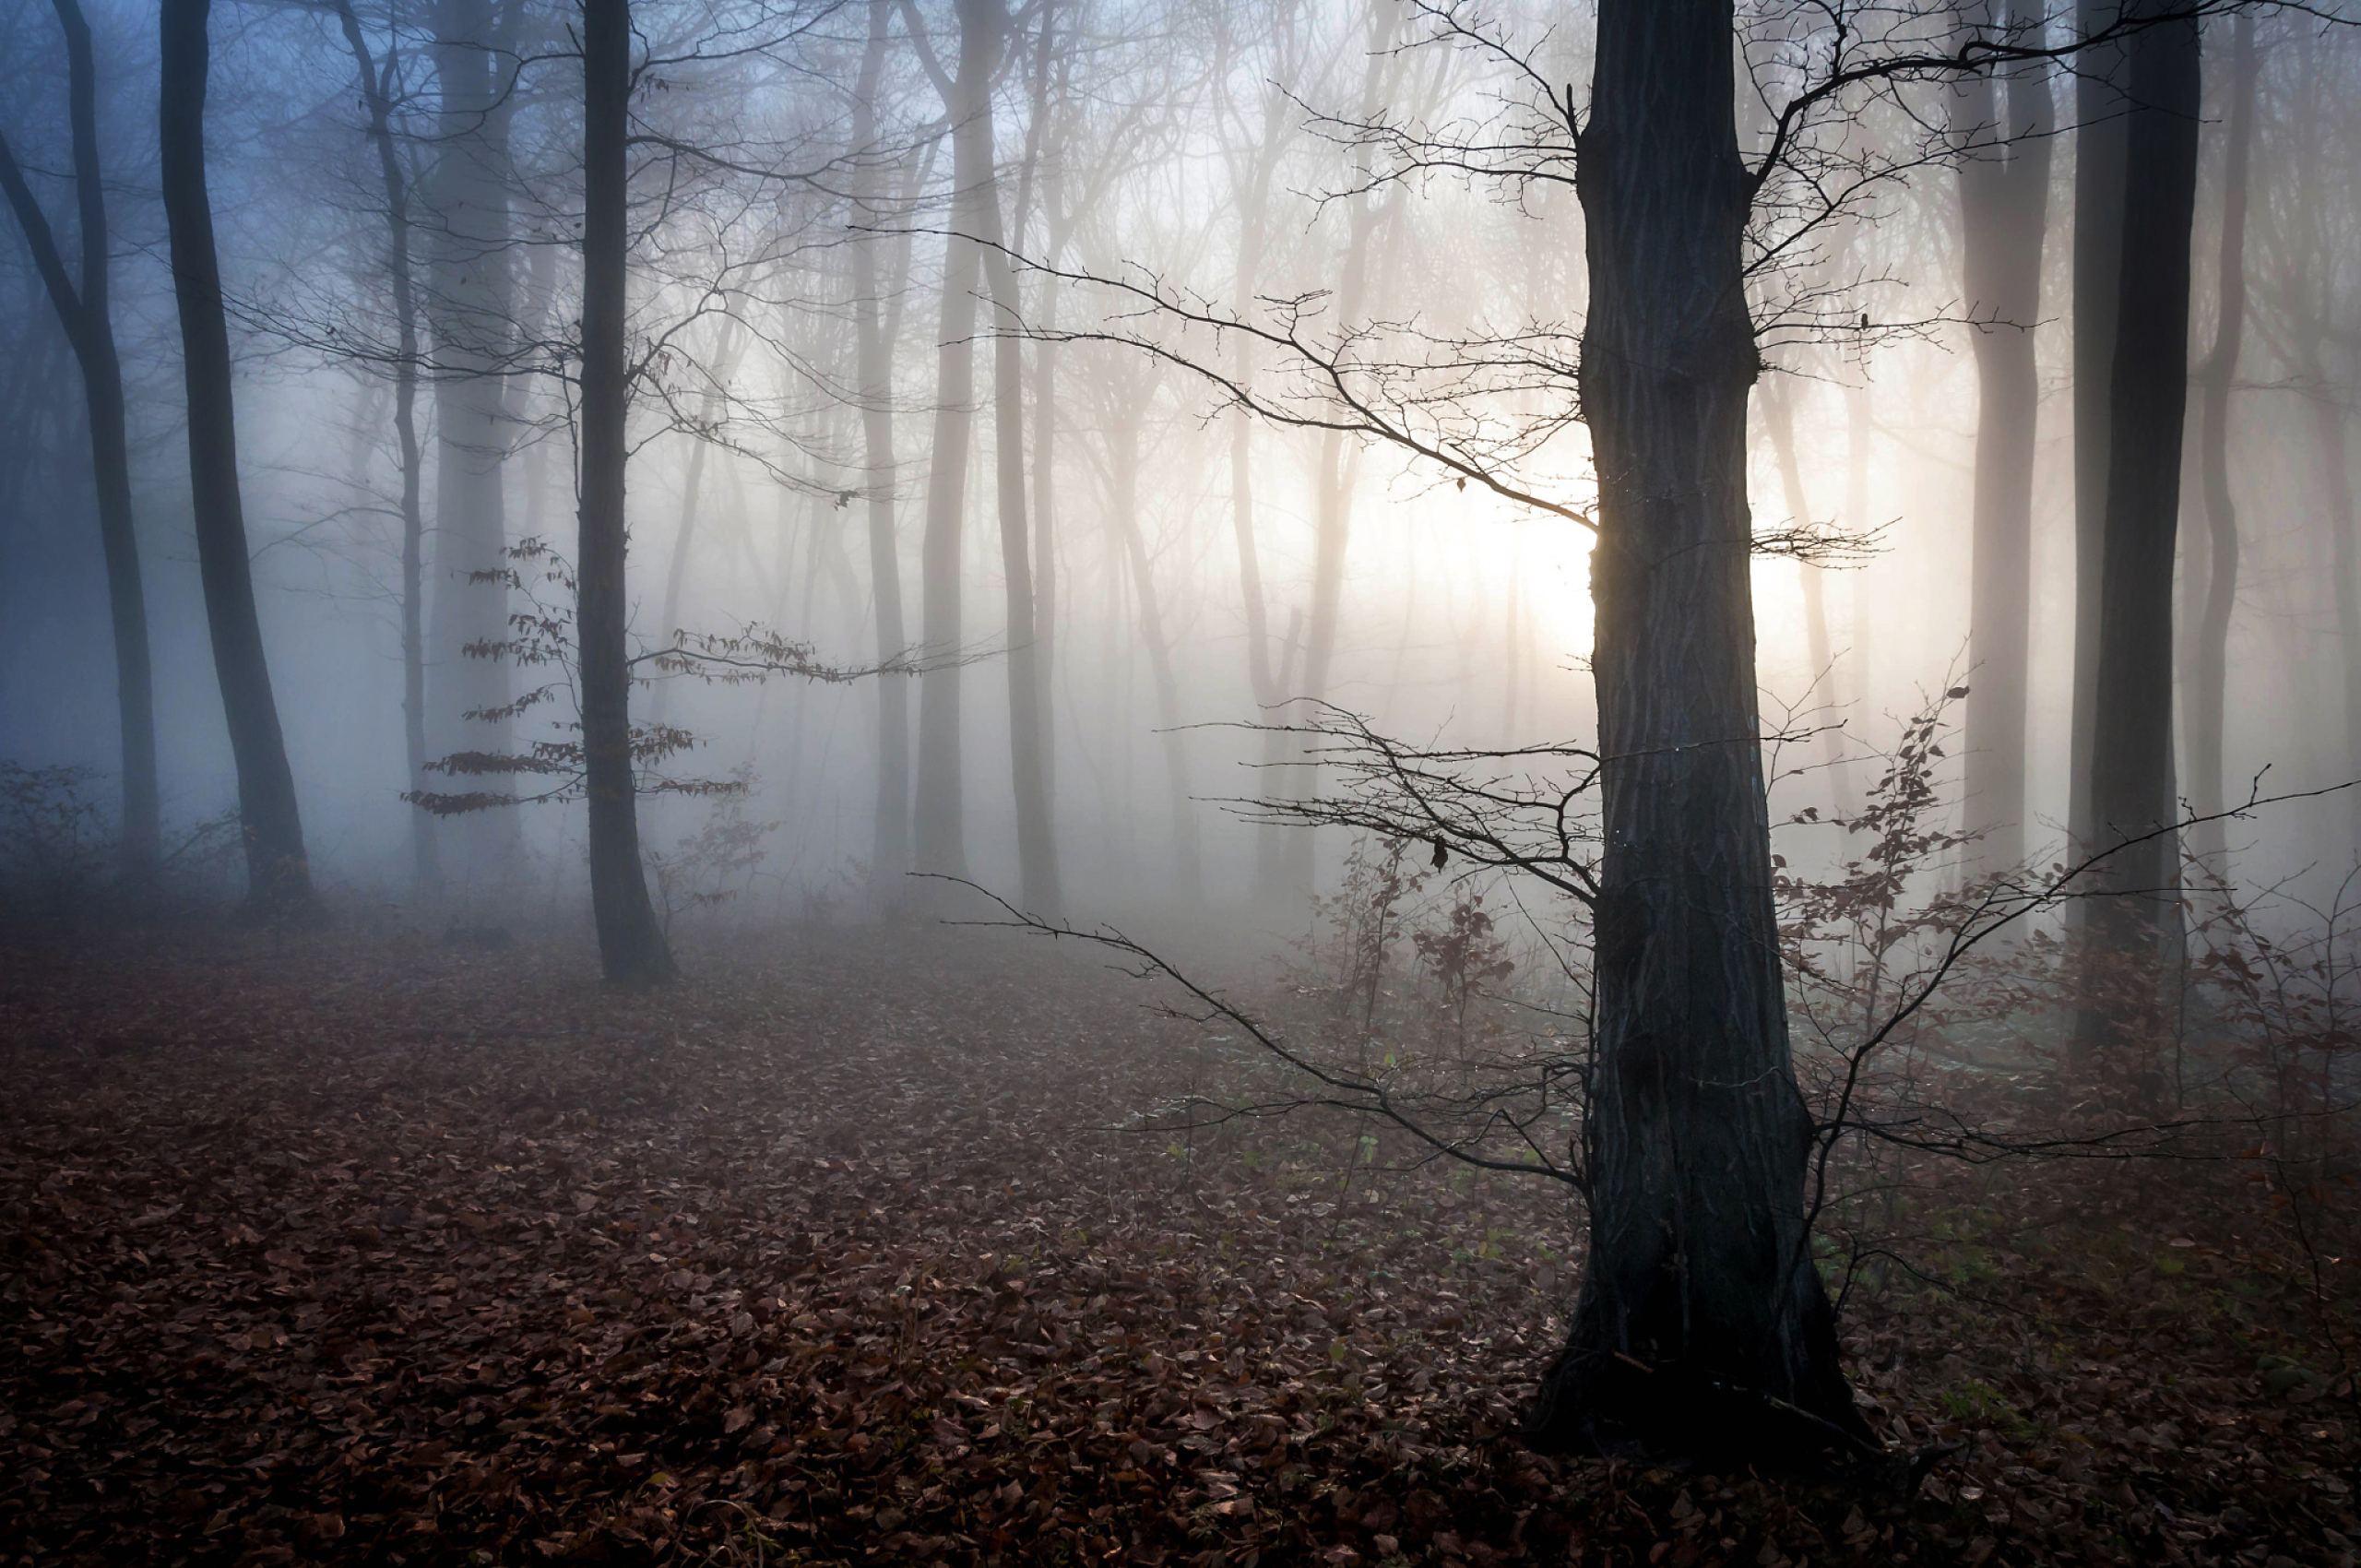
(890, 844)
(2100, 149)
(2131, 737)
(1702, 1320)
(426, 868)
(88, 318)
(632, 948)
(278, 876)
(2004, 199)
(2210, 666)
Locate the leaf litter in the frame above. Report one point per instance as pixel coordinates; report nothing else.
(856, 1249)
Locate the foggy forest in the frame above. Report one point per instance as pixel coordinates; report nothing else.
(1180, 782)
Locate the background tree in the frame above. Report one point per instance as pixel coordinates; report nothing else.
(2004, 202)
(279, 878)
(84, 311)
(632, 946)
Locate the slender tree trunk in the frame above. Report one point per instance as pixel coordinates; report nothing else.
(426, 870)
(1779, 418)
(1187, 854)
(890, 843)
(88, 319)
(1337, 468)
(1037, 844)
(2131, 738)
(631, 947)
(724, 365)
(2004, 199)
(1702, 1320)
(2210, 666)
(2100, 149)
(279, 875)
(471, 311)
(941, 831)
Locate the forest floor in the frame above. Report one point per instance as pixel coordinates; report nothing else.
(353, 1247)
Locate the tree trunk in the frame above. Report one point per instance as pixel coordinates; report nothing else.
(1779, 417)
(2336, 482)
(278, 876)
(1333, 476)
(890, 843)
(1037, 846)
(88, 321)
(471, 311)
(426, 868)
(2004, 200)
(941, 830)
(1702, 1320)
(2100, 147)
(2210, 666)
(631, 944)
(2131, 736)
(1187, 857)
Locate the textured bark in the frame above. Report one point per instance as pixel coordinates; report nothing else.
(279, 877)
(1701, 1321)
(471, 312)
(426, 868)
(632, 948)
(83, 310)
(890, 843)
(2209, 661)
(2131, 737)
(2100, 147)
(2004, 201)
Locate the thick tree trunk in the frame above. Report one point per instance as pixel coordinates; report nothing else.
(471, 310)
(2211, 660)
(1701, 1321)
(2131, 737)
(2004, 200)
(278, 876)
(890, 843)
(2100, 149)
(631, 942)
(88, 318)
(426, 868)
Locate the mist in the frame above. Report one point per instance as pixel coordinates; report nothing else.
(1677, 681)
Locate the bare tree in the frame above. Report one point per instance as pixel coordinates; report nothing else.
(278, 876)
(2004, 200)
(2131, 757)
(2209, 660)
(632, 946)
(84, 311)
(376, 94)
